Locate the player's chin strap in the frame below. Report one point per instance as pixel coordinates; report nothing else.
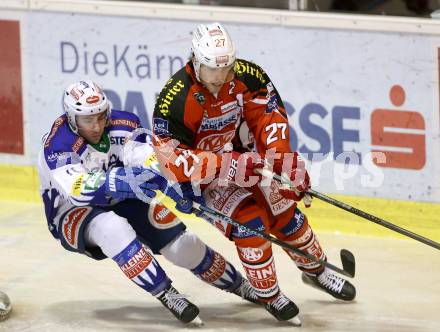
(347, 257)
(351, 209)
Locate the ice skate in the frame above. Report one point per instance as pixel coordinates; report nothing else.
(283, 309)
(5, 306)
(180, 307)
(247, 292)
(332, 284)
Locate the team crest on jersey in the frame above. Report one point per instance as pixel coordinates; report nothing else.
(199, 97)
(272, 102)
(251, 254)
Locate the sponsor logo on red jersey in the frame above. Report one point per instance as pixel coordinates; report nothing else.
(215, 142)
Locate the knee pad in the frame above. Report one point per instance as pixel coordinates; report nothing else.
(110, 232)
(186, 250)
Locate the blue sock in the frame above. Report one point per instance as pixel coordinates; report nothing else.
(141, 267)
(217, 271)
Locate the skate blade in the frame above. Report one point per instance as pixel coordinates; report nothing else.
(197, 322)
(295, 321)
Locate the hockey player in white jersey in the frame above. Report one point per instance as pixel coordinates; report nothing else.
(98, 201)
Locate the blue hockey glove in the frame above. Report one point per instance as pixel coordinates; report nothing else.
(139, 183)
(184, 196)
(132, 182)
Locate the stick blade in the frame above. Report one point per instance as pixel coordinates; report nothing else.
(348, 262)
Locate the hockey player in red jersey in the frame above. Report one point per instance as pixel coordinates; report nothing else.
(196, 124)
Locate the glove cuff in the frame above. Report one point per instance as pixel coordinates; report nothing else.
(110, 184)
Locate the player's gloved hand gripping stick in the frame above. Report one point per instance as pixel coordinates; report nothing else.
(140, 183)
(134, 182)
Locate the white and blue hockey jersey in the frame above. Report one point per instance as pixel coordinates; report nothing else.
(73, 172)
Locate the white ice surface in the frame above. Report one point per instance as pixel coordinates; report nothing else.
(398, 283)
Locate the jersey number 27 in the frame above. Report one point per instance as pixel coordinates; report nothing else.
(273, 134)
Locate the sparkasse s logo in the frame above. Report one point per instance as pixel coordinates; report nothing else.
(399, 134)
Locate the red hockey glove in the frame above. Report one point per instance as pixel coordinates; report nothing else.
(239, 168)
(294, 170)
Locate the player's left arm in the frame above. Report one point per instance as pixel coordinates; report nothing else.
(267, 119)
(266, 116)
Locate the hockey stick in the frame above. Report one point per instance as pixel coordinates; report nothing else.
(347, 258)
(354, 210)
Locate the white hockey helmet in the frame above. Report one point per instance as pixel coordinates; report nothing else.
(212, 46)
(84, 98)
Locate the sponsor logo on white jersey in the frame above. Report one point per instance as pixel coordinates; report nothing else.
(72, 224)
(58, 156)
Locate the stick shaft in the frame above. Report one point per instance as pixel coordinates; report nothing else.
(270, 238)
(356, 211)
(374, 219)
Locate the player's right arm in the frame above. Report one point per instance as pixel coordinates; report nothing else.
(72, 180)
(61, 167)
